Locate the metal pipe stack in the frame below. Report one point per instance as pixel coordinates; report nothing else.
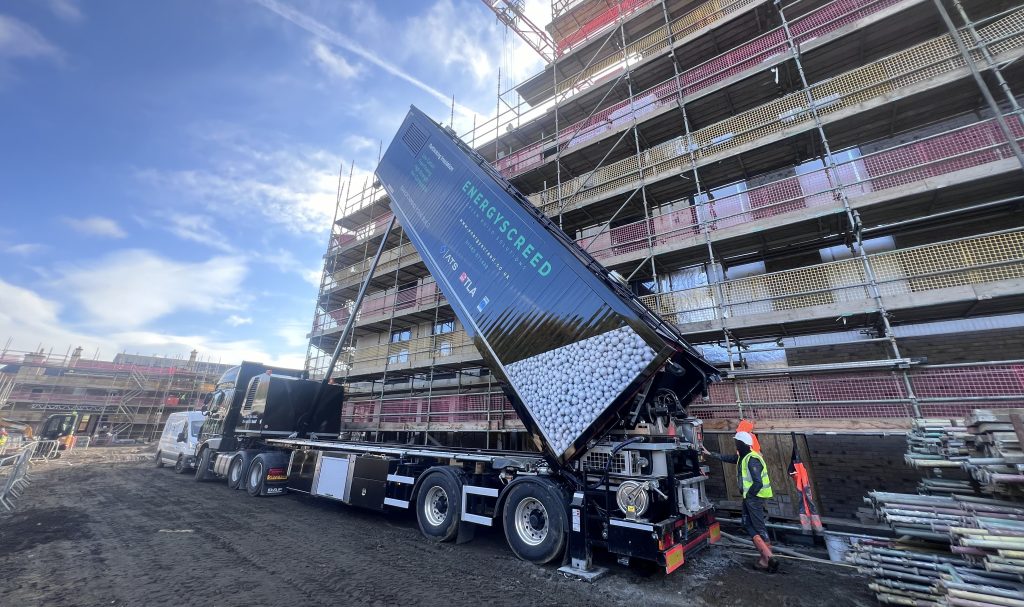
(958, 547)
(986, 445)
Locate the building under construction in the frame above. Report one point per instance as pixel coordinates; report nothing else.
(824, 196)
(127, 398)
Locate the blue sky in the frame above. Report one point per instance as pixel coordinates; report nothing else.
(168, 169)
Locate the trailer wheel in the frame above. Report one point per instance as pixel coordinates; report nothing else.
(179, 466)
(437, 507)
(203, 465)
(535, 522)
(256, 477)
(235, 473)
(159, 460)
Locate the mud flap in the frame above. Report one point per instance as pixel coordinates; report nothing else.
(467, 531)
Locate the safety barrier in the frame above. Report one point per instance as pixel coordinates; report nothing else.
(966, 261)
(757, 52)
(923, 63)
(482, 410)
(941, 154)
(945, 153)
(594, 26)
(938, 391)
(705, 16)
(445, 348)
(344, 240)
(45, 449)
(17, 476)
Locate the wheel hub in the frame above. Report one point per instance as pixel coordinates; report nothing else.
(531, 521)
(435, 507)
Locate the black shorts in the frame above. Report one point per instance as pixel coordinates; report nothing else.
(754, 518)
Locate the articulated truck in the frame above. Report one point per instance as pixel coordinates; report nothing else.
(600, 382)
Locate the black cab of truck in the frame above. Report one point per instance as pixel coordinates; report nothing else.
(223, 406)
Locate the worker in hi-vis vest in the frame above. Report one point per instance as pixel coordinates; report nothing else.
(752, 479)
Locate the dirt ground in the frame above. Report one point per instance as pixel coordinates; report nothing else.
(94, 531)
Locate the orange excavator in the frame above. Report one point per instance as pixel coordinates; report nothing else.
(61, 428)
(16, 428)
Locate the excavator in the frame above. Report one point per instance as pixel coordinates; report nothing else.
(58, 427)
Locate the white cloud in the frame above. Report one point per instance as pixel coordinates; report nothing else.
(294, 335)
(224, 351)
(20, 40)
(237, 321)
(67, 10)
(335, 65)
(197, 228)
(25, 248)
(287, 185)
(130, 288)
(333, 37)
(454, 38)
(30, 321)
(96, 226)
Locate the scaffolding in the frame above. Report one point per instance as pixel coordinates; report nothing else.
(761, 173)
(127, 398)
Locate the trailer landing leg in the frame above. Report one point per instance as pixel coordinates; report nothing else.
(581, 563)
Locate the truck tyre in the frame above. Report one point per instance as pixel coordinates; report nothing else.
(437, 506)
(535, 522)
(235, 473)
(256, 477)
(179, 465)
(159, 460)
(203, 465)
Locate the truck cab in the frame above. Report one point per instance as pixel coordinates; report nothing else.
(253, 402)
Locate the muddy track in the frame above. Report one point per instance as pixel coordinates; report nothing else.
(120, 534)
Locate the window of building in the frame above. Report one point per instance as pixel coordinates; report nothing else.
(401, 335)
(440, 328)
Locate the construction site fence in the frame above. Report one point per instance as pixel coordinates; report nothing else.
(14, 476)
(935, 391)
(925, 65)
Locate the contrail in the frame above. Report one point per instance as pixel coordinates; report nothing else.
(327, 34)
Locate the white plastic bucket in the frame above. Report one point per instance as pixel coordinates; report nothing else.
(691, 499)
(838, 546)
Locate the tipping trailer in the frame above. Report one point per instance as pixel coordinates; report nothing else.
(601, 383)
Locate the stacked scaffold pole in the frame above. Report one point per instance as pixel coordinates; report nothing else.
(963, 543)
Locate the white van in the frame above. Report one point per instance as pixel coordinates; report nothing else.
(178, 441)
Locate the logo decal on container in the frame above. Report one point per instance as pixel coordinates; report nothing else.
(483, 304)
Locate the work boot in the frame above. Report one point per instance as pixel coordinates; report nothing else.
(767, 562)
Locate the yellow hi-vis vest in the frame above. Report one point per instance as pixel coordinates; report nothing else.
(747, 482)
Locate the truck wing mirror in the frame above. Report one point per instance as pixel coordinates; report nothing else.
(182, 438)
